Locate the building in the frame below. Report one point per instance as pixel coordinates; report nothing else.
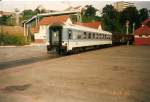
(94, 24)
(142, 34)
(121, 5)
(3, 13)
(41, 32)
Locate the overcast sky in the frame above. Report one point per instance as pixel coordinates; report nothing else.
(9, 5)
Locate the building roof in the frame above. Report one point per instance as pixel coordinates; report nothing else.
(53, 20)
(95, 24)
(146, 21)
(143, 30)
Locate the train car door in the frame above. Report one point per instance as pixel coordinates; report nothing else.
(55, 38)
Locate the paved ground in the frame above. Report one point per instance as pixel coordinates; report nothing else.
(16, 56)
(118, 74)
(22, 52)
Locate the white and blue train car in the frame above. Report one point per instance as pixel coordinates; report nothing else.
(70, 38)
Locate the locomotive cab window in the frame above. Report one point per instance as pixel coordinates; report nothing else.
(70, 34)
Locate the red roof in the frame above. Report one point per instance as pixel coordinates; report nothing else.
(143, 30)
(95, 24)
(53, 20)
(146, 21)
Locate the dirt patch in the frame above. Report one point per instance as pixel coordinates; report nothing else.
(16, 88)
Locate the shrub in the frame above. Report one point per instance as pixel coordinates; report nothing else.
(6, 39)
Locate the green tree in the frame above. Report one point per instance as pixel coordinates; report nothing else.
(90, 11)
(37, 11)
(110, 19)
(6, 20)
(143, 14)
(27, 14)
(3, 20)
(130, 14)
(89, 15)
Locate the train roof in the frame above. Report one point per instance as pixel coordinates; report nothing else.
(83, 28)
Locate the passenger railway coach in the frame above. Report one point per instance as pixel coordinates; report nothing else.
(73, 38)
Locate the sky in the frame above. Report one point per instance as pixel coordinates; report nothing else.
(10, 5)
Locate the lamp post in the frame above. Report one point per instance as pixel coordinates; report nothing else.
(127, 27)
(127, 30)
(1, 22)
(133, 28)
(17, 16)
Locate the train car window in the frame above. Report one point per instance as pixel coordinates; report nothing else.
(108, 37)
(85, 35)
(89, 36)
(70, 34)
(100, 36)
(104, 36)
(79, 35)
(96, 36)
(93, 35)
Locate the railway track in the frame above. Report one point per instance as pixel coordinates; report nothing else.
(25, 61)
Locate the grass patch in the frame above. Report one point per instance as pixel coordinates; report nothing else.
(18, 40)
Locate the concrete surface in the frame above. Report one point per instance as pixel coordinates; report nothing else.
(118, 74)
(12, 53)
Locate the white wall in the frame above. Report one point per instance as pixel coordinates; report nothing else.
(43, 33)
